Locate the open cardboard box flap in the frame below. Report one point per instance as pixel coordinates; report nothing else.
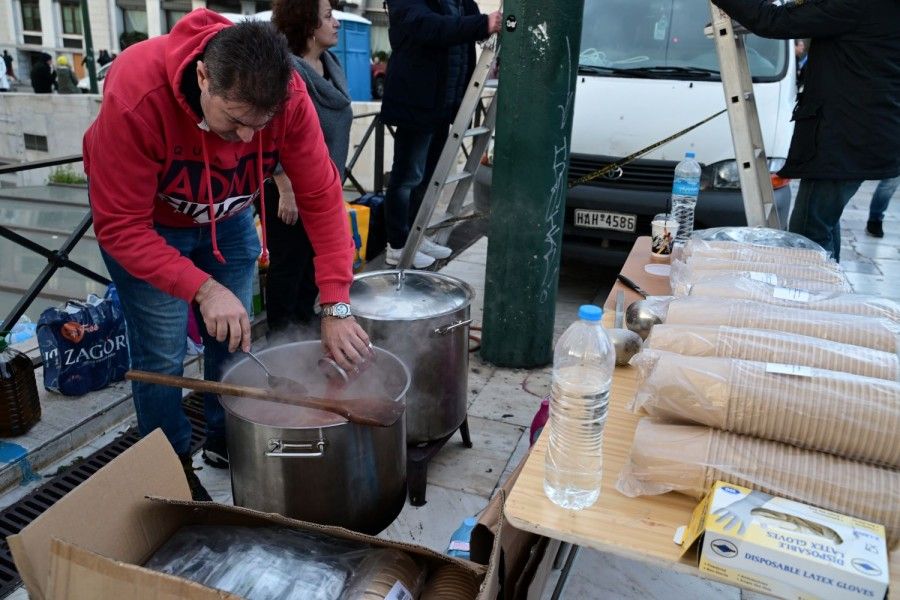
(107, 514)
(90, 544)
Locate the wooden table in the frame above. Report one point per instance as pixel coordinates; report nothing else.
(638, 528)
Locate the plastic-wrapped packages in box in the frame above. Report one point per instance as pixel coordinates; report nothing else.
(450, 583)
(690, 458)
(848, 415)
(260, 563)
(731, 250)
(741, 287)
(813, 278)
(757, 236)
(384, 570)
(774, 346)
(869, 332)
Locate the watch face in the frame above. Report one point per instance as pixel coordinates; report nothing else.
(341, 309)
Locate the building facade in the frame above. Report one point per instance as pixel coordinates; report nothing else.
(29, 28)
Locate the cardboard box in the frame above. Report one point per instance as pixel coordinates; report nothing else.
(785, 548)
(525, 559)
(91, 543)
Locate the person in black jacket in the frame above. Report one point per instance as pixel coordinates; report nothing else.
(432, 60)
(43, 77)
(847, 118)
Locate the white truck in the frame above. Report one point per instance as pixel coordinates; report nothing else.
(646, 71)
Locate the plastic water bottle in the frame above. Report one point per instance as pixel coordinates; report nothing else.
(685, 190)
(583, 364)
(459, 541)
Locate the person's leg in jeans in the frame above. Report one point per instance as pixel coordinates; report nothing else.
(435, 147)
(157, 326)
(410, 154)
(818, 208)
(880, 200)
(240, 246)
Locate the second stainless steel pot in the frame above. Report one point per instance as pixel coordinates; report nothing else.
(424, 319)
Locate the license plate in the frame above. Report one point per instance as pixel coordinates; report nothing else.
(600, 219)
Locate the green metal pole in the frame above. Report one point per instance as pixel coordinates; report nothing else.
(539, 64)
(88, 46)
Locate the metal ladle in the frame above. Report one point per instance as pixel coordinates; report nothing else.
(626, 342)
(277, 382)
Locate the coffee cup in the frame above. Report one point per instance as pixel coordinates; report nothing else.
(662, 235)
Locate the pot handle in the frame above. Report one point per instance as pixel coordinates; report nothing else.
(445, 329)
(282, 449)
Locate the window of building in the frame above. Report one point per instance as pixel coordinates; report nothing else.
(172, 17)
(31, 15)
(71, 18)
(134, 20)
(224, 6)
(35, 142)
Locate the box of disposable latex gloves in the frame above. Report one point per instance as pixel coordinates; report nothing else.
(785, 548)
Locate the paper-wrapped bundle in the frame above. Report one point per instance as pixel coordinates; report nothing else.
(869, 332)
(820, 277)
(690, 458)
(852, 416)
(752, 252)
(774, 346)
(739, 287)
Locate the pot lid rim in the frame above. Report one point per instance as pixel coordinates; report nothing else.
(462, 285)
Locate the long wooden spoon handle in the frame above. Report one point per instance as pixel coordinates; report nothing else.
(198, 385)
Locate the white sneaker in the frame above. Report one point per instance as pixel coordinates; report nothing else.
(420, 261)
(434, 249)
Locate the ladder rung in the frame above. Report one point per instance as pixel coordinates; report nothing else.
(459, 176)
(476, 131)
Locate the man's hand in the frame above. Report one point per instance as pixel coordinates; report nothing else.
(494, 21)
(224, 315)
(287, 204)
(346, 341)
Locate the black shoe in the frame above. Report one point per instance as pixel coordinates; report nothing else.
(215, 452)
(874, 229)
(198, 492)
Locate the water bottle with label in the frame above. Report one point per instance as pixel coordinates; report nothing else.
(460, 540)
(685, 190)
(583, 364)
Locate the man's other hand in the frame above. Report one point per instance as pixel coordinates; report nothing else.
(494, 21)
(287, 204)
(224, 315)
(346, 341)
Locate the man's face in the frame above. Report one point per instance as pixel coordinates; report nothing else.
(230, 120)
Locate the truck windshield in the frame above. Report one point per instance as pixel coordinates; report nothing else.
(664, 39)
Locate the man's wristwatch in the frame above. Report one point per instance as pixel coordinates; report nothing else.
(340, 310)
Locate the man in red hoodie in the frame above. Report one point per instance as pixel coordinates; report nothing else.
(191, 124)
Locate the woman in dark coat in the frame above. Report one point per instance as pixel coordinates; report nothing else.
(43, 77)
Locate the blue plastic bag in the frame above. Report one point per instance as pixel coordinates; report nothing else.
(83, 345)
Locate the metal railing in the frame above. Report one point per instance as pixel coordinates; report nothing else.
(55, 258)
(59, 258)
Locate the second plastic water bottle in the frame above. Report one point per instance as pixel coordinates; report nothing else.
(685, 190)
(583, 364)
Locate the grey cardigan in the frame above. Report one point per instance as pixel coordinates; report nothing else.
(332, 102)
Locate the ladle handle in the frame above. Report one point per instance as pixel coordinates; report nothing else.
(198, 385)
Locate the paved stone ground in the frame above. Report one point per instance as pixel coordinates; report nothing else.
(503, 401)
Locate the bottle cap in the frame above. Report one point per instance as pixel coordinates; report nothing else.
(689, 155)
(470, 521)
(589, 312)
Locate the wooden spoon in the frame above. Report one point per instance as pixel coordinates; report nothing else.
(362, 411)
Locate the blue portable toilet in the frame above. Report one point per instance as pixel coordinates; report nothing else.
(353, 49)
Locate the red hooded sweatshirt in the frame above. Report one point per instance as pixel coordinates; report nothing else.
(145, 159)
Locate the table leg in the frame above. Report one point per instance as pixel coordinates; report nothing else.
(564, 574)
(464, 432)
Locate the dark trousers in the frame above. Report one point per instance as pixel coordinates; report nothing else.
(291, 290)
(818, 208)
(416, 153)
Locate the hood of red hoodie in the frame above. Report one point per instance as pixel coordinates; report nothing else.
(186, 42)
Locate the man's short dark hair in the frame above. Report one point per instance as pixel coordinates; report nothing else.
(249, 62)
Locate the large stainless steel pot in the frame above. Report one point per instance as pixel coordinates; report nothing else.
(423, 318)
(311, 465)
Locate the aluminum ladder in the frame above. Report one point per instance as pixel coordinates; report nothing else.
(444, 173)
(749, 150)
